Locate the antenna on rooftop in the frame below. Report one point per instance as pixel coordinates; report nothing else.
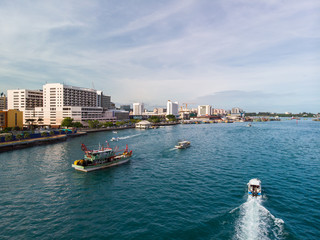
(93, 85)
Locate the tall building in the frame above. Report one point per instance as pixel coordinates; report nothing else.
(26, 101)
(61, 101)
(204, 110)
(172, 108)
(106, 102)
(138, 108)
(3, 102)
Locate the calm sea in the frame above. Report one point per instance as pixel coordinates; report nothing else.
(164, 193)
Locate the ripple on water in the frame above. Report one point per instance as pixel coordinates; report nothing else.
(163, 193)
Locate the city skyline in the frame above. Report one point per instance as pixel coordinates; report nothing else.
(260, 56)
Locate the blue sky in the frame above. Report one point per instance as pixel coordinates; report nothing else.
(259, 55)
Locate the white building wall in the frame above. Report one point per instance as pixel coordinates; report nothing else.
(138, 108)
(172, 108)
(26, 101)
(204, 110)
(61, 101)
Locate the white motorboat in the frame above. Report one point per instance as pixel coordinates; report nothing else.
(254, 187)
(115, 132)
(183, 144)
(114, 139)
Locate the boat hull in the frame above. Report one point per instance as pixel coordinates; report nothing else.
(102, 165)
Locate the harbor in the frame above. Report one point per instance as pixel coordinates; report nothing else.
(163, 191)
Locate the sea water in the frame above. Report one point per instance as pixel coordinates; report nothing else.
(165, 193)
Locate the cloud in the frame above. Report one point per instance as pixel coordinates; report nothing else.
(159, 50)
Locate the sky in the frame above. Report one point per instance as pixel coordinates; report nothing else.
(261, 55)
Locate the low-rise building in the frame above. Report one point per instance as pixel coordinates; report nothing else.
(138, 108)
(11, 118)
(172, 108)
(143, 125)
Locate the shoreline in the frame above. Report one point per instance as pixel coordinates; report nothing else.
(26, 143)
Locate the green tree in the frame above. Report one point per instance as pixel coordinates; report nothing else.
(94, 124)
(19, 137)
(154, 119)
(134, 120)
(77, 124)
(171, 118)
(8, 138)
(26, 135)
(44, 134)
(51, 133)
(120, 123)
(108, 124)
(67, 122)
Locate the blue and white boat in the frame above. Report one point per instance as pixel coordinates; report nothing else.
(254, 187)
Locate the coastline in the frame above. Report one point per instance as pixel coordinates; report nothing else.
(15, 145)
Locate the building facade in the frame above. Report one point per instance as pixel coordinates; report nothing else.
(25, 100)
(217, 111)
(56, 101)
(172, 108)
(204, 110)
(125, 107)
(138, 108)
(61, 101)
(3, 102)
(11, 118)
(236, 110)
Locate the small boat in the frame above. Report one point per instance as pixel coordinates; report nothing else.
(103, 157)
(249, 125)
(114, 139)
(115, 132)
(254, 187)
(183, 145)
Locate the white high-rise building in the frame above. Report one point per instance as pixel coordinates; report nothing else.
(29, 102)
(204, 110)
(236, 110)
(138, 108)
(172, 108)
(61, 101)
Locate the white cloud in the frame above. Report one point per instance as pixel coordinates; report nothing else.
(174, 49)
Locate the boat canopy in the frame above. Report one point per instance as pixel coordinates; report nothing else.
(255, 181)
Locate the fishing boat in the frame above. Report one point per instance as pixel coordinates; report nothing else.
(183, 145)
(103, 157)
(254, 187)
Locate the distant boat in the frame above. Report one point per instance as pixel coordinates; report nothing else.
(115, 132)
(249, 125)
(183, 145)
(114, 139)
(254, 187)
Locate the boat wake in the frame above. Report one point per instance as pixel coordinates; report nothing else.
(256, 222)
(130, 136)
